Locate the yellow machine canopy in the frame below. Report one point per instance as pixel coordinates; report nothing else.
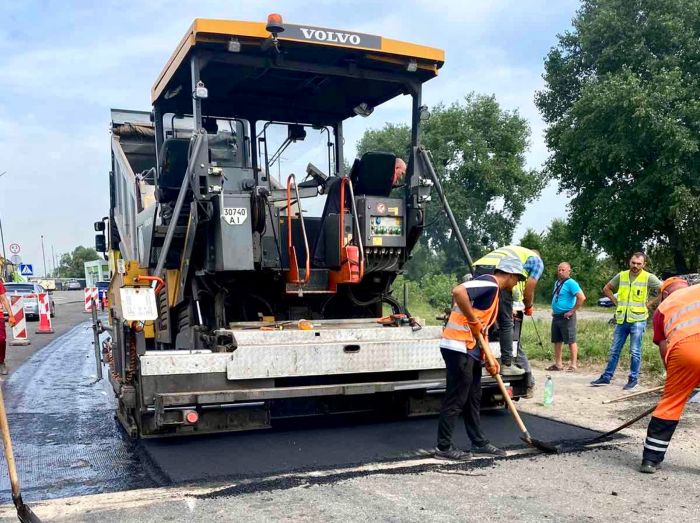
(299, 73)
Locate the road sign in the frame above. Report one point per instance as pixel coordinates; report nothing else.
(26, 269)
(14, 248)
(16, 259)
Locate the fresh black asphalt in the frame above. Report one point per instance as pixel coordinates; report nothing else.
(68, 443)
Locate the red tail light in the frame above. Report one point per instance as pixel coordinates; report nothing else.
(191, 417)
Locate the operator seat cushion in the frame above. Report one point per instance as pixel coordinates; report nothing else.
(373, 174)
(172, 166)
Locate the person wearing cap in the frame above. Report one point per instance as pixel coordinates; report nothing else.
(533, 267)
(635, 288)
(4, 303)
(677, 333)
(474, 310)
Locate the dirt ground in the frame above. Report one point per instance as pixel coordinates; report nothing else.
(601, 484)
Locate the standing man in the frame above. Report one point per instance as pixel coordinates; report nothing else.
(533, 267)
(634, 288)
(567, 298)
(677, 333)
(474, 310)
(4, 303)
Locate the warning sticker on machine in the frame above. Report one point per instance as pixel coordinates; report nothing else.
(234, 215)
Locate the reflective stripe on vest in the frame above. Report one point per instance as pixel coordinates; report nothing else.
(456, 335)
(632, 298)
(492, 258)
(681, 312)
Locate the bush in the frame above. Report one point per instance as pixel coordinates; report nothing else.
(437, 289)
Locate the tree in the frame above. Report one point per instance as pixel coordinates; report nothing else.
(479, 154)
(72, 264)
(621, 103)
(560, 243)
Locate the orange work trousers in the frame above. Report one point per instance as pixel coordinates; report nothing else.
(682, 376)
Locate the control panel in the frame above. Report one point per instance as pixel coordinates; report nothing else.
(382, 221)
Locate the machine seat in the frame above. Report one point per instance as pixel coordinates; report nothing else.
(373, 174)
(172, 167)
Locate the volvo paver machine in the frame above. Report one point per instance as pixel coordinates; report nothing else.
(231, 305)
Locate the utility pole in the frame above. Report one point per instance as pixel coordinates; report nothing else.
(53, 258)
(2, 237)
(43, 254)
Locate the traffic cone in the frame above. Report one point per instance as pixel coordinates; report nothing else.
(19, 331)
(44, 315)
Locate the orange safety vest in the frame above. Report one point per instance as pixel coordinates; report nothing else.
(681, 312)
(456, 335)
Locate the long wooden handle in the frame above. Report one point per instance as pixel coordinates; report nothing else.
(492, 363)
(628, 396)
(7, 442)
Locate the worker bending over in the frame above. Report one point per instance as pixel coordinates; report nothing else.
(533, 267)
(474, 310)
(677, 333)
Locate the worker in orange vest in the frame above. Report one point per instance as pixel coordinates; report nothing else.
(474, 310)
(677, 333)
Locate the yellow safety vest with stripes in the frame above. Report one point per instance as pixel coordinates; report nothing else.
(632, 298)
(681, 312)
(491, 260)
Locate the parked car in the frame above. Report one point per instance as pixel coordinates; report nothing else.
(605, 302)
(29, 292)
(72, 285)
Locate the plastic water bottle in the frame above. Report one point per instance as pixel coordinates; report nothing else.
(548, 392)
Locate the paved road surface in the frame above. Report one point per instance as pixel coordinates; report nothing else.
(67, 442)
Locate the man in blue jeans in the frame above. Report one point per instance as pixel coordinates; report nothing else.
(634, 288)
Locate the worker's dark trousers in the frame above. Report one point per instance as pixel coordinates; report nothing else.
(505, 336)
(659, 434)
(462, 398)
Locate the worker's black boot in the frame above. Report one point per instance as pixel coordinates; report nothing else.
(453, 454)
(648, 467)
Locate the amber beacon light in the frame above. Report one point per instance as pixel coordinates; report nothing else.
(274, 23)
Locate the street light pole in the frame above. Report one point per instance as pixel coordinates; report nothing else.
(43, 255)
(2, 237)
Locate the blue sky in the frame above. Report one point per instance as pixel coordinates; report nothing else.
(65, 64)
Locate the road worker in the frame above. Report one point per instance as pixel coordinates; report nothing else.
(533, 267)
(677, 333)
(4, 303)
(474, 310)
(635, 289)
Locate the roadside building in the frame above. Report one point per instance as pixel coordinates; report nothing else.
(96, 270)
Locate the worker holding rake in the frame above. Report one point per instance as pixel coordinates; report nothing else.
(474, 310)
(677, 333)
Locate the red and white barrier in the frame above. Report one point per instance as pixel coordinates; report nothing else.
(44, 314)
(91, 293)
(19, 331)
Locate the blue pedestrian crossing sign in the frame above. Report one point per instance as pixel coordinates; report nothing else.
(26, 269)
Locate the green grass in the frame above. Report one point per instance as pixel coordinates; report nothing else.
(594, 337)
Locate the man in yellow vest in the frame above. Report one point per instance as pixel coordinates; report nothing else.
(677, 333)
(634, 289)
(533, 267)
(474, 310)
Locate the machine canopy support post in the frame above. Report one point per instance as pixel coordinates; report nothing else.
(96, 335)
(428, 164)
(196, 100)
